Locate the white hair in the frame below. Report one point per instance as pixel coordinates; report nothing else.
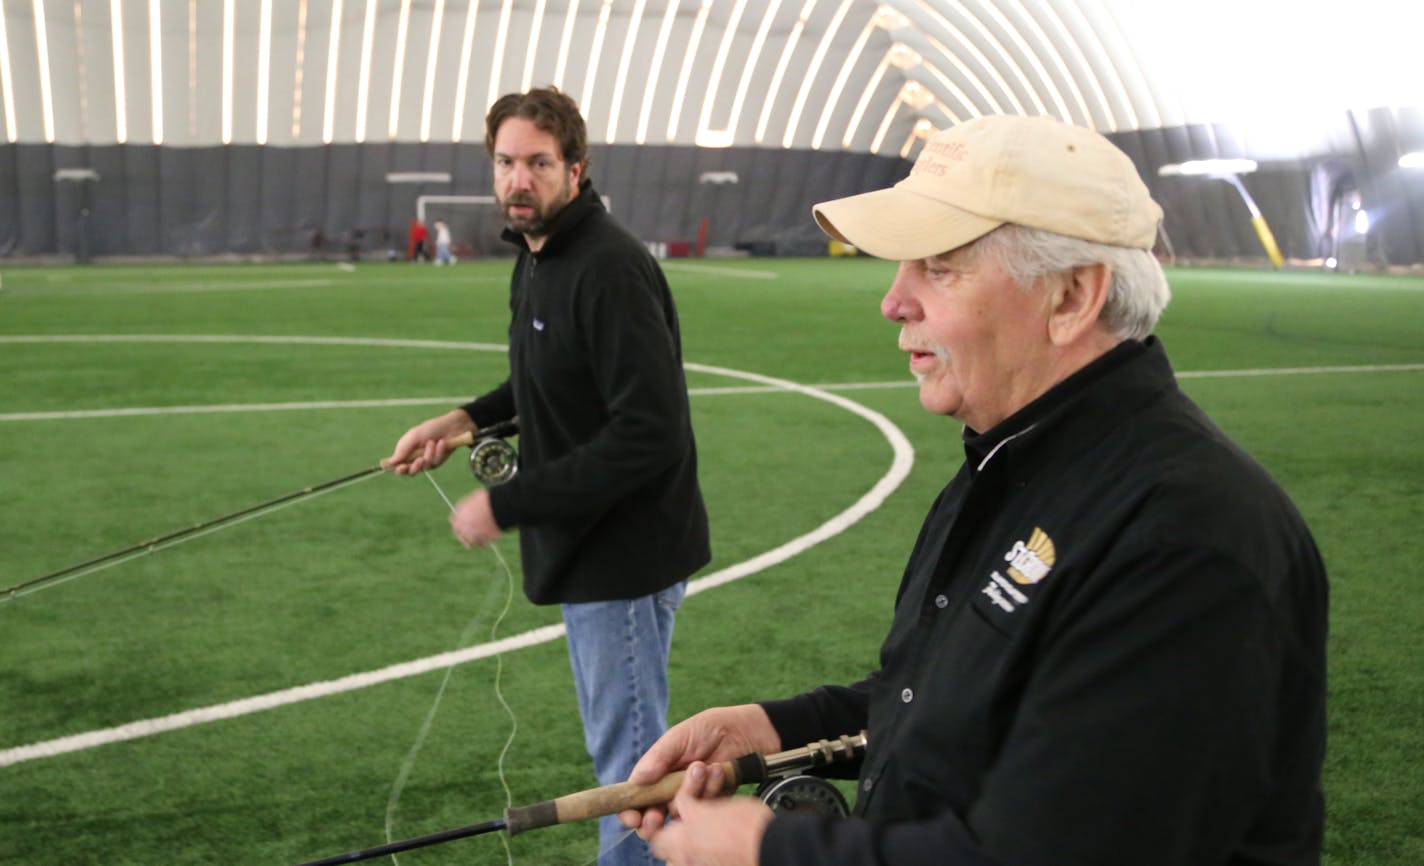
(1138, 292)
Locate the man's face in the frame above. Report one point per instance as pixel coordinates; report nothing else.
(532, 183)
(978, 342)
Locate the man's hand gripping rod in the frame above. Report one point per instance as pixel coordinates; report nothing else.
(492, 460)
(612, 799)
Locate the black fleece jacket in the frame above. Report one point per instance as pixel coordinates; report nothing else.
(1108, 649)
(606, 498)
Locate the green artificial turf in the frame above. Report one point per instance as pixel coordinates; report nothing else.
(368, 576)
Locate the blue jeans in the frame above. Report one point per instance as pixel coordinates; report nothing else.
(619, 654)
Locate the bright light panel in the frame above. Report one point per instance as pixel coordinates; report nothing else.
(967, 47)
(570, 18)
(697, 27)
(744, 86)
(121, 120)
(1208, 167)
(398, 69)
(227, 77)
(432, 51)
(889, 18)
(706, 136)
(328, 120)
(46, 95)
(537, 22)
(792, 38)
(659, 50)
(363, 81)
(6, 87)
(600, 32)
(625, 63)
(264, 68)
(501, 36)
(816, 60)
(916, 95)
(300, 71)
(833, 101)
(903, 56)
(1412, 160)
(871, 87)
(467, 42)
(155, 64)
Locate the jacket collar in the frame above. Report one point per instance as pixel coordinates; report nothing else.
(1138, 371)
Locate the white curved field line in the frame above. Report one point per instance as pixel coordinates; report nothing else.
(900, 466)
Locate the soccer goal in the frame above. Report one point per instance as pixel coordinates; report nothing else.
(475, 222)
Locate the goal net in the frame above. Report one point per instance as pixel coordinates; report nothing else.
(475, 222)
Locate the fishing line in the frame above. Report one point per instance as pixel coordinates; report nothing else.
(408, 765)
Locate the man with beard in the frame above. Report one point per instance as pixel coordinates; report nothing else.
(610, 514)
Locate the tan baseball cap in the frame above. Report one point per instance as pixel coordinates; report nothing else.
(974, 177)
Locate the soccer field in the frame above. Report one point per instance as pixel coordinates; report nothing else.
(257, 693)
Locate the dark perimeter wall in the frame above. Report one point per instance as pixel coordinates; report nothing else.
(249, 200)
(196, 202)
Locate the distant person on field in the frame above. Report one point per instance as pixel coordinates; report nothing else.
(1108, 645)
(442, 244)
(607, 502)
(418, 235)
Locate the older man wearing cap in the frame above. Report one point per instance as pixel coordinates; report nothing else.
(1108, 643)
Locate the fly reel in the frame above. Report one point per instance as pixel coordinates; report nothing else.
(492, 459)
(804, 795)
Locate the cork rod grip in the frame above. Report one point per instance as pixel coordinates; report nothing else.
(607, 800)
(459, 440)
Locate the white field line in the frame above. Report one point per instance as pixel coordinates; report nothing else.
(267, 339)
(138, 411)
(179, 288)
(56, 286)
(1299, 371)
(78, 414)
(745, 273)
(230, 407)
(899, 469)
(272, 700)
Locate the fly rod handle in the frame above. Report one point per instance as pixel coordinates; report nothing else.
(612, 799)
(460, 440)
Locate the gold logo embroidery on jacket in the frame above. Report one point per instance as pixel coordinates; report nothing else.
(1029, 563)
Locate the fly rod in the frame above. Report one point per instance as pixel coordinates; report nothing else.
(612, 799)
(143, 548)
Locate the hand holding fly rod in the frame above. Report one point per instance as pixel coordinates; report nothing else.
(429, 443)
(492, 460)
(624, 796)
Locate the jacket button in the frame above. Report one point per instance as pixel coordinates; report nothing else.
(941, 601)
(867, 784)
(907, 695)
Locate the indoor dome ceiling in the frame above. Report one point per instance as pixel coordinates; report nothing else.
(859, 75)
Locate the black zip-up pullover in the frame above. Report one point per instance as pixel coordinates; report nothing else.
(606, 498)
(1107, 650)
